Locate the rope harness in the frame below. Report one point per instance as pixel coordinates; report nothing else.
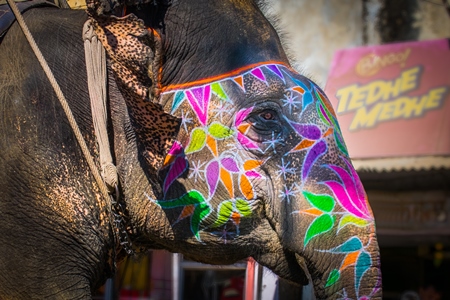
(107, 181)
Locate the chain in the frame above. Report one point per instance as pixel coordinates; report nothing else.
(120, 221)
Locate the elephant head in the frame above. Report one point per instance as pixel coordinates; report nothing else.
(248, 152)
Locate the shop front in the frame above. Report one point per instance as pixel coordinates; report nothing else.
(393, 106)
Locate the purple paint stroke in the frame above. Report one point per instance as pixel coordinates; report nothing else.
(356, 197)
(229, 164)
(241, 115)
(176, 149)
(176, 170)
(212, 177)
(246, 142)
(309, 131)
(314, 153)
(253, 174)
(258, 73)
(276, 71)
(199, 100)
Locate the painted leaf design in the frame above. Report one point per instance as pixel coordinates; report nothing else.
(349, 219)
(212, 176)
(350, 193)
(176, 170)
(212, 145)
(217, 89)
(192, 197)
(220, 131)
(350, 259)
(241, 115)
(309, 131)
(197, 141)
(246, 187)
(351, 245)
(224, 212)
(314, 153)
(243, 207)
(333, 278)
(323, 202)
(246, 142)
(252, 164)
(227, 181)
(319, 226)
(253, 174)
(363, 263)
(177, 100)
(201, 211)
(229, 164)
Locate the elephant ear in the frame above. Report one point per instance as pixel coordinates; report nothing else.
(134, 55)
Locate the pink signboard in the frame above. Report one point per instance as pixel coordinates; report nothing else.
(393, 100)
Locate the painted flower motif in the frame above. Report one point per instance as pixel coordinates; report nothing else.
(232, 210)
(242, 129)
(356, 256)
(222, 170)
(349, 192)
(194, 206)
(177, 163)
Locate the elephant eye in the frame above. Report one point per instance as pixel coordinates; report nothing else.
(264, 125)
(267, 115)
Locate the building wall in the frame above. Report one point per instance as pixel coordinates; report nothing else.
(314, 30)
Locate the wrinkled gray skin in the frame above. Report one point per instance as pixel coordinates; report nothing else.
(55, 235)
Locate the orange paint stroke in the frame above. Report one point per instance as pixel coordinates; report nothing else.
(299, 90)
(246, 187)
(312, 212)
(243, 128)
(239, 80)
(186, 212)
(350, 259)
(223, 76)
(252, 164)
(329, 131)
(303, 145)
(168, 160)
(227, 181)
(236, 217)
(212, 144)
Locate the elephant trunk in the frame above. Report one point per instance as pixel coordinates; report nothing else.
(334, 240)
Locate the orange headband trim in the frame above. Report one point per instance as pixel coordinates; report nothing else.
(221, 76)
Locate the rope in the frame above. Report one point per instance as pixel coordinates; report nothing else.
(96, 74)
(102, 186)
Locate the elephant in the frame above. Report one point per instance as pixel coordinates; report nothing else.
(223, 151)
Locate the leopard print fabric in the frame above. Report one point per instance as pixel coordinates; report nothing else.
(128, 45)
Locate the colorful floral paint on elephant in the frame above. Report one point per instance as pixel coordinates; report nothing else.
(214, 149)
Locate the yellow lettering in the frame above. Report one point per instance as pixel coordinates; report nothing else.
(344, 95)
(387, 111)
(414, 107)
(434, 97)
(365, 119)
(409, 79)
(400, 107)
(375, 91)
(357, 99)
(391, 89)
